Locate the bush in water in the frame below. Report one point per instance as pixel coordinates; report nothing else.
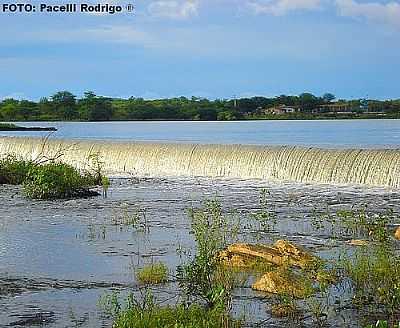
(57, 180)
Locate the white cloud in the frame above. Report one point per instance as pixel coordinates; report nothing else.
(14, 95)
(174, 9)
(282, 7)
(388, 13)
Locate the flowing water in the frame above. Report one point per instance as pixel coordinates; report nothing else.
(346, 166)
(59, 257)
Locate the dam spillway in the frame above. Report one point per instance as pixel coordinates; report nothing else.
(379, 167)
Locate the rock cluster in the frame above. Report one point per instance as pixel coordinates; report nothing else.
(282, 254)
(283, 282)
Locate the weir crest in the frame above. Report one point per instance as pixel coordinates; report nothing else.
(379, 167)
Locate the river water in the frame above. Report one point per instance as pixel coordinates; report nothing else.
(58, 258)
(325, 133)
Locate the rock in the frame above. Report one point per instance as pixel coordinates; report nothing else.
(297, 255)
(283, 283)
(357, 242)
(283, 310)
(266, 253)
(235, 260)
(397, 234)
(282, 253)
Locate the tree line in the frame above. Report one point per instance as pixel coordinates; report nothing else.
(66, 106)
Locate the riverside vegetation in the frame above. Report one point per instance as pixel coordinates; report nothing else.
(51, 179)
(301, 289)
(7, 126)
(13, 127)
(65, 106)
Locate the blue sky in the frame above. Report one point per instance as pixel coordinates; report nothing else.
(207, 48)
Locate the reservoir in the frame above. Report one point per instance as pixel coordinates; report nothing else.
(325, 134)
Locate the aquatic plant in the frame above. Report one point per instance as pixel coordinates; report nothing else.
(14, 171)
(204, 277)
(265, 216)
(105, 183)
(375, 277)
(144, 312)
(135, 218)
(382, 324)
(361, 223)
(156, 273)
(284, 306)
(48, 178)
(57, 180)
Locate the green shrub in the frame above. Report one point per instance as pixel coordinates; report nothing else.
(57, 180)
(153, 274)
(14, 171)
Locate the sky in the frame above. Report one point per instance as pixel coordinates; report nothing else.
(205, 48)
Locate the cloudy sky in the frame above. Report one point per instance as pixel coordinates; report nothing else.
(208, 48)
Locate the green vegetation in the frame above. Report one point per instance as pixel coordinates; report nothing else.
(204, 277)
(50, 180)
(382, 324)
(136, 219)
(147, 313)
(65, 106)
(153, 274)
(6, 126)
(14, 171)
(374, 273)
(57, 180)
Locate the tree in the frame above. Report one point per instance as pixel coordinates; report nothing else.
(9, 109)
(65, 104)
(28, 109)
(308, 101)
(100, 110)
(63, 98)
(328, 97)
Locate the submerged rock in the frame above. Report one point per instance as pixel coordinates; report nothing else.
(397, 234)
(357, 242)
(283, 282)
(326, 277)
(281, 253)
(283, 310)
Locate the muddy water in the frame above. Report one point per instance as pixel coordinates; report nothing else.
(58, 258)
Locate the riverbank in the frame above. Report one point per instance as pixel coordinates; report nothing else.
(16, 128)
(284, 117)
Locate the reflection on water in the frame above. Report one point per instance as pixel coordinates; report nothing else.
(57, 258)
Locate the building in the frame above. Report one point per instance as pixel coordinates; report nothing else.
(339, 107)
(281, 109)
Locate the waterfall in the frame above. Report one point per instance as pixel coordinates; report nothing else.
(282, 163)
